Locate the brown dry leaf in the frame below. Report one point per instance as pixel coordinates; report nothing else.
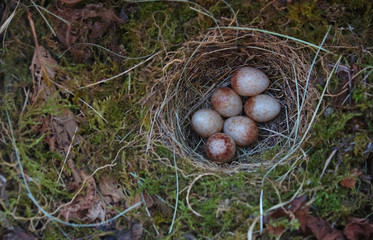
(349, 182)
(86, 24)
(43, 68)
(111, 190)
(64, 128)
(309, 225)
(301, 214)
(97, 211)
(322, 230)
(87, 207)
(276, 231)
(59, 129)
(358, 229)
(295, 208)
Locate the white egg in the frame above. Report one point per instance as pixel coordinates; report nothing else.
(220, 148)
(242, 129)
(262, 108)
(207, 122)
(226, 102)
(249, 81)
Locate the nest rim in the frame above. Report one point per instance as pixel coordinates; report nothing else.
(183, 70)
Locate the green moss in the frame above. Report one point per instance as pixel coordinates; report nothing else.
(328, 128)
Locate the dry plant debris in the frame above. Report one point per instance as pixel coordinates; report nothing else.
(110, 189)
(350, 181)
(355, 229)
(85, 26)
(358, 229)
(88, 206)
(60, 130)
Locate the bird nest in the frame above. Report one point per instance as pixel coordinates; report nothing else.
(199, 67)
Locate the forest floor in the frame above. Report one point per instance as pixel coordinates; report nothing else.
(77, 118)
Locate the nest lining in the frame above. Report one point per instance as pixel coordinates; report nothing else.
(201, 66)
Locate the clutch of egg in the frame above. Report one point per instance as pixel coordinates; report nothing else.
(226, 102)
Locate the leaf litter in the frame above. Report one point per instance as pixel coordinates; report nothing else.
(60, 134)
(85, 25)
(355, 229)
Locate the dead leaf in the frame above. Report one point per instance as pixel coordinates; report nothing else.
(334, 236)
(86, 207)
(61, 134)
(322, 230)
(294, 209)
(60, 129)
(276, 231)
(301, 214)
(111, 190)
(309, 225)
(64, 128)
(350, 181)
(43, 69)
(86, 24)
(358, 229)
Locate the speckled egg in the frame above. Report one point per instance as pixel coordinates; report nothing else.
(220, 148)
(207, 122)
(249, 81)
(243, 130)
(262, 108)
(226, 102)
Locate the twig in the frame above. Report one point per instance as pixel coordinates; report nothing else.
(328, 161)
(177, 196)
(31, 22)
(122, 73)
(190, 188)
(67, 154)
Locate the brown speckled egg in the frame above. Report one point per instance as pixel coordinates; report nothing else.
(220, 148)
(226, 102)
(262, 108)
(207, 122)
(243, 130)
(249, 81)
